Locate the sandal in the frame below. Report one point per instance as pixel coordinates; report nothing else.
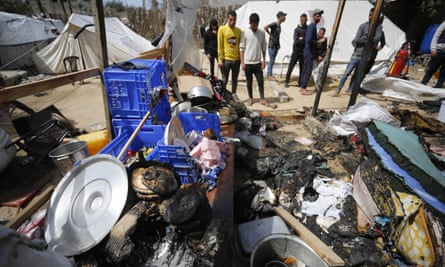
(305, 92)
(264, 103)
(336, 94)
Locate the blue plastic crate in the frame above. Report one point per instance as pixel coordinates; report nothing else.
(128, 91)
(161, 113)
(119, 123)
(148, 136)
(200, 122)
(178, 155)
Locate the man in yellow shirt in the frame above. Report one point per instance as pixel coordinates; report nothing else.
(228, 39)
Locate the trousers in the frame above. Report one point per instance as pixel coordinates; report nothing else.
(251, 70)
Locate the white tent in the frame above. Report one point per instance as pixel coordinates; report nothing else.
(122, 44)
(355, 13)
(21, 36)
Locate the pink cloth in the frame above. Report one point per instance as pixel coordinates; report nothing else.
(208, 152)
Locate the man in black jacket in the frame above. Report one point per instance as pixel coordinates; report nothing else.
(297, 49)
(210, 44)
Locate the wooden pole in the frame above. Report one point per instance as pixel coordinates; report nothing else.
(133, 135)
(369, 46)
(31, 208)
(324, 72)
(18, 91)
(325, 252)
(101, 41)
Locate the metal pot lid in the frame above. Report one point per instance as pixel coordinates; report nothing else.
(173, 130)
(86, 204)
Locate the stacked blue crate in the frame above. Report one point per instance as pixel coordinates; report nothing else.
(130, 91)
(133, 88)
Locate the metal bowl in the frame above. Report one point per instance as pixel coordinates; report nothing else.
(200, 91)
(201, 96)
(86, 204)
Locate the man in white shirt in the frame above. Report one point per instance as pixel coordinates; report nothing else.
(252, 55)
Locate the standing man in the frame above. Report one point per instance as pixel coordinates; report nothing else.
(210, 44)
(359, 42)
(253, 57)
(297, 50)
(274, 31)
(310, 50)
(228, 40)
(437, 57)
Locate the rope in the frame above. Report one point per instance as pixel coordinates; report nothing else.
(22, 55)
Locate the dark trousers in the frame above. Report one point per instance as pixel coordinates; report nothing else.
(307, 70)
(212, 65)
(231, 65)
(435, 63)
(295, 57)
(254, 69)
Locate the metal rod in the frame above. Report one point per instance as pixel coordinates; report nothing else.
(324, 72)
(369, 46)
(133, 135)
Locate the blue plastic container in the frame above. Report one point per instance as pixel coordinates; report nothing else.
(128, 91)
(425, 45)
(200, 122)
(178, 155)
(148, 137)
(160, 115)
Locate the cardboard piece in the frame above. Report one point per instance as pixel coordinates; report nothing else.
(186, 82)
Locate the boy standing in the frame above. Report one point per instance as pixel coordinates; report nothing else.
(228, 50)
(274, 31)
(252, 55)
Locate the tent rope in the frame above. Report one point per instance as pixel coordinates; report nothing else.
(22, 55)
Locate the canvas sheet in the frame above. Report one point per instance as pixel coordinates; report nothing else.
(122, 44)
(400, 88)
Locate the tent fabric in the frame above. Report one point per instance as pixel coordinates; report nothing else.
(425, 46)
(412, 183)
(180, 21)
(22, 36)
(122, 44)
(355, 13)
(401, 154)
(359, 116)
(400, 88)
(18, 29)
(407, 144)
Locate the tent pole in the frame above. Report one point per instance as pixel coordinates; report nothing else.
(101, 41)
(324, 72)
(359, 74)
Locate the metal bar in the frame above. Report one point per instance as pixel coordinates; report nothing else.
(360, 72)
(324, 72)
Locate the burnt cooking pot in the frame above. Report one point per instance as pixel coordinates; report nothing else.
(151, 178)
